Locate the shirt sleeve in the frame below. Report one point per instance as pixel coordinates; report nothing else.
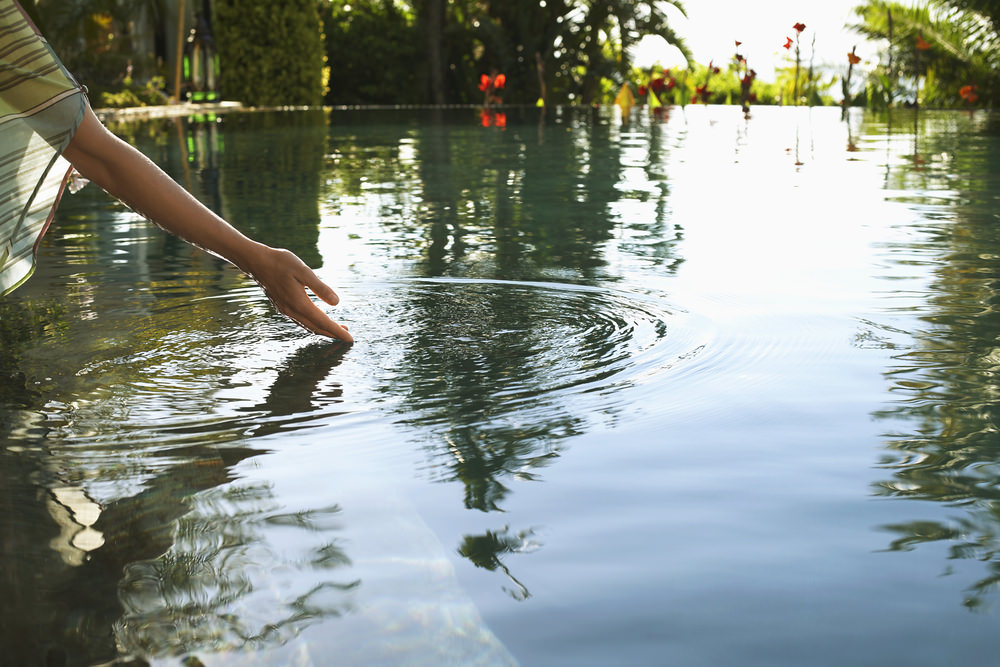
(41, 105)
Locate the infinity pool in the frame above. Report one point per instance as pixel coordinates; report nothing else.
(694, 390)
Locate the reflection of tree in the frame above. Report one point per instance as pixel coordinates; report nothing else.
(508, 207)
(270, 177)
(480, 394)
(486, 551)
(168, 569)
(20, 325)
(949, 381)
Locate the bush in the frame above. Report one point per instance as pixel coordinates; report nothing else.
(372, 48)
(270, 53)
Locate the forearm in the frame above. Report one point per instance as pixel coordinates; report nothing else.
(130, 176)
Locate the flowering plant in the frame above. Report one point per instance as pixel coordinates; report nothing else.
(746, 80)
(798, 28)
(491, 84)
(968, 93)
(702, 93)
(852, 60)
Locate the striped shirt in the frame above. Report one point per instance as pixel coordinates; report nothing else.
(41, 105)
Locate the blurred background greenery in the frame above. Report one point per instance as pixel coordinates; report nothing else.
(932, 53)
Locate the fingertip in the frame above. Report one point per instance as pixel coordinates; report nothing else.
(345, 335)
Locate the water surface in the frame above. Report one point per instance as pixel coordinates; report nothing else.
(657, 392)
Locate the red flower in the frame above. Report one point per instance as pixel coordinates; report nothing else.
(921, 44)
(968, 93)
(738, 42)
(642, 91)
(853, 58)
(657, 84)
(485, 118)
(799, 27)
(487, 82)
(500, 120)
(788, 42)
(671, 83)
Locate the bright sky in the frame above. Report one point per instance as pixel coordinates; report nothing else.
(712, 27)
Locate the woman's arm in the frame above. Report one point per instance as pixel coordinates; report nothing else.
(130, 176)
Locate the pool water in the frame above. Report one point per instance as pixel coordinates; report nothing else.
(691, 390)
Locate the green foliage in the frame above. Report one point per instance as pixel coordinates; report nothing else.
(372, 47)
(963, 48)
(813, 91)
(98, 41)
(132, 95)
(271, 53)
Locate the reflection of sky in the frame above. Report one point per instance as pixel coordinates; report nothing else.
(711, 29)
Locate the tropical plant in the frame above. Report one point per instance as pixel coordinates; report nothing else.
(932, 49)
(562, 50)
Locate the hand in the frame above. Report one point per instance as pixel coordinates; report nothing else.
(284, 277)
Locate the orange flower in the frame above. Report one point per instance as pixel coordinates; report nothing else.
(799, 27)
(853, 58)
(788, 42)
(968, 93)
(487, 82)
(921, 44)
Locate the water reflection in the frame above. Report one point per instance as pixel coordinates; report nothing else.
(270, 178)
(64, 553)
(494, 376)
(945, 447)
(465, 201)
(489, 549)
(183, 564)
(510, 370)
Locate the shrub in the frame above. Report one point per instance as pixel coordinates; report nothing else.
(270, 53)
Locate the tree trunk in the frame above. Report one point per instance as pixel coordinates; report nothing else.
(434, 25)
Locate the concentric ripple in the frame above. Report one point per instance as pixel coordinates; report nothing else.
(492, 352)
(509, 360)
